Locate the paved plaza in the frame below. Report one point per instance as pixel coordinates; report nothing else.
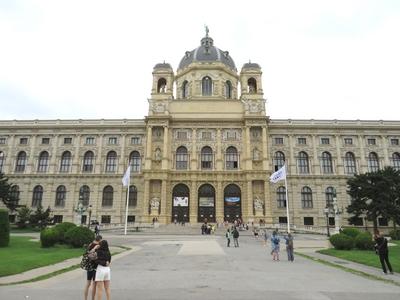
(201, 267)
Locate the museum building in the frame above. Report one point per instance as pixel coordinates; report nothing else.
(205, 151)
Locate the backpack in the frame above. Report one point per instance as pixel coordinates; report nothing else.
(276, 241)
(87, 263)
(235, 234)
(290, 243)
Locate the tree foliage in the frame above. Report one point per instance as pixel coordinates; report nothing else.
(41, 218)
(6, 195)
(23, 217)
(375, 194)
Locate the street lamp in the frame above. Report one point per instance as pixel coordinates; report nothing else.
(90, 214)
(326, 211)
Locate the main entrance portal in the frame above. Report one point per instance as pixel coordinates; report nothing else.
(232, 203)
(206, 210)
(180, 203)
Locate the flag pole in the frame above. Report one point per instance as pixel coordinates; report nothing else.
(287, 203)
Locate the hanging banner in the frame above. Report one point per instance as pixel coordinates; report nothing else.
(206, 201)
(232, 201)
(181, 201)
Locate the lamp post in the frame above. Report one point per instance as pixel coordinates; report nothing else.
(90, 214)
(326, 211)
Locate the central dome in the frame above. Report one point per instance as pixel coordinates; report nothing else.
(207, 52)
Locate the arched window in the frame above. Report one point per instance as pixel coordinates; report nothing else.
(329, 193)
(279, 160)
(61, 193)
(37, 196)
(132, 196)
(206, 86)
(206, 158)
(306, 197)
(228, 90)
(84, 195)
(181, 158)
(43, 161)
(135, 161)
(302, 161)
(396, 161)
(65, 162)
(88, 159)
(373, 162)
(231, 158)
(350, 163)
(161, 85)
(281, 197)
(21, 162)
(14, 193)
(108, 196)
(185, 89)
(1, 161)
(111, 161)
(326, 162)
(252, 85)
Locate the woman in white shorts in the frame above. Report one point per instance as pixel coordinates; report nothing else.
(103, 272)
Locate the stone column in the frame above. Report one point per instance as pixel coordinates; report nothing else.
(123, 162)
(148, 157)
(265, 156)
(247, 159)
(219, 161)
(193, 203)
(146, 199)
(362, 167)
(11, 156)
(219, 202)
(315, 166)
(338, 166)
(53, 160)
(165, 159)
(385, 147)
(100, 160)
(163, 202)
(248, 201)
(32, 156)
(76, 156)
(193, 156)
(292, 163)
(267, 203)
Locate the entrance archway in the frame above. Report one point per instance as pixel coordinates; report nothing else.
(232, 203)
(180, 203)
(206, 209)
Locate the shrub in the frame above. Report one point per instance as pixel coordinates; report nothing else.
(395, 234)
(62, 229)
(79, 236)
(24, 214)
(351, 232)
(4, 228)
(48, 237)
(341, 241)
(364, 241)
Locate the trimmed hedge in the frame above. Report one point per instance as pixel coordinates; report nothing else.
(364, 241)
(79, 236)
(341, 241)
(395, 234)
(351, 232)
(62, 229)
(4, 228)
(49, 237)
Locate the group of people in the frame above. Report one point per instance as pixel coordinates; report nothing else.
(207, 228)
(98, 269)
(232, 233)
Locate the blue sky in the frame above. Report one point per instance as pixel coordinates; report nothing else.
(93, 59)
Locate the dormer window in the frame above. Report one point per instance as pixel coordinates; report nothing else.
(252, 85)
(228, 90)
(185, 89)
(206, 86)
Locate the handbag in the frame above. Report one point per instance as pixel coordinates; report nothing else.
(92, 256)
(86, 264)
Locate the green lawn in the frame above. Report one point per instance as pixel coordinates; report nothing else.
(368, 257)
(23, 255)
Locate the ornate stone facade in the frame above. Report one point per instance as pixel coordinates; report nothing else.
(205, 151)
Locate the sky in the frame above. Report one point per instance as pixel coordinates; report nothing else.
(81, 59)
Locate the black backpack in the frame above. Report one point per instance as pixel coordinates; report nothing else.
(235, 234)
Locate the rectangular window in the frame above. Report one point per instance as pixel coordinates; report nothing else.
(112, 141)
(308, 221)
(23, 141)
(302, 141)
(231, 135)
(45, 141)
(90, 140)
(371, 141)
(135, 140)
(282, 220)
(67, 141)
(393, 142)
(2, 141)
(331, 221)
(383, 222)
(348, 141)
(182, 135)
(357, 222)
(131, 219)
(206, 136)
(106, 219)
(279, 141)
(58, 219)
(325, 141)
(256, 133)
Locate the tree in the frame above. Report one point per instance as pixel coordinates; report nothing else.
(6, 194)
(40, 217)
(23, 217)
(375, 194)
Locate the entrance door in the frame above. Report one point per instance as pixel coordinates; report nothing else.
(232, 203)
(206, 210)
(180, 203)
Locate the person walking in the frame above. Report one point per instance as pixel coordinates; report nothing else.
(381, 247)
(103, 272)
(228, 236)
(265, 235)
(91, 270)
(235, 234)
(275, 248)
(97, 229)
(289, 247)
